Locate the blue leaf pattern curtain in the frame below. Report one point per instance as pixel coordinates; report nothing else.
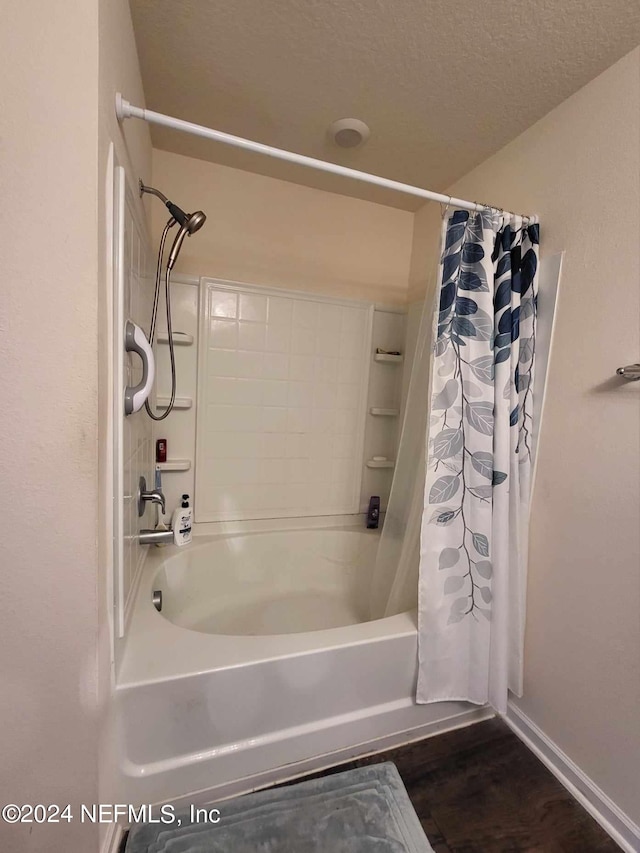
(475, 520)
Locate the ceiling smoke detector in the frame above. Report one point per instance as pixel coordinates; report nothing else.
(349, 132)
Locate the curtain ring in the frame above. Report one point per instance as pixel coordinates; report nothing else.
(492, 207)
(444, 211)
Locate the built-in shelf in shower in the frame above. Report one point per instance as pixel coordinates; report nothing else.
(385, 413)
(387, 357)
(180, 339)
(380, 463)
(179, 402)
(174, 465)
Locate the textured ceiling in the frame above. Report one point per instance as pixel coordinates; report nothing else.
(442, 84)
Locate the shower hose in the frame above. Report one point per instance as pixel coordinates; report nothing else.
(154, 312)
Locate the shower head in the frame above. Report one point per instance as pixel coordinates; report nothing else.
(193, 222)
(189, 222)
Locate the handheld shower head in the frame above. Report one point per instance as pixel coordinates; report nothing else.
(189, 222)
(193, 223)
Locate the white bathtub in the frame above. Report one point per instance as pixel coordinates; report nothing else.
(278, 582)
(262, 665)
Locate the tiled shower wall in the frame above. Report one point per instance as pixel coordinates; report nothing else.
(281, 399)
(137, 458)
(385, 391)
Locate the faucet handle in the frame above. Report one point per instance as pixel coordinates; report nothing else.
(154, 496)
(142, 488)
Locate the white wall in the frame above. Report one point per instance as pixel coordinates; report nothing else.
(61, 70)
(579, 169)
(48, 419)
(266, 231)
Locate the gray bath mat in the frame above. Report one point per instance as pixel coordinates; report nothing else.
(366, 810)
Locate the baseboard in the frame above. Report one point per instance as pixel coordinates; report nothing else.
(612, 819)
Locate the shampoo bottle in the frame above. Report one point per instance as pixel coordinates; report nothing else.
(181, 522)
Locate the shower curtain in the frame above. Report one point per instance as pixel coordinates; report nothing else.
(395, 578)
(456, 525)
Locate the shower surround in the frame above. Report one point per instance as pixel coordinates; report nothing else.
(265, 660)
(132, 296)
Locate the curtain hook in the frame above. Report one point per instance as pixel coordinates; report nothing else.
(444, 209)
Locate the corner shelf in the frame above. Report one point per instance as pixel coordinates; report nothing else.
(180, 339)
(390, 359)
(385, 413)
(174, 465)
(179, 402)
(380, 463)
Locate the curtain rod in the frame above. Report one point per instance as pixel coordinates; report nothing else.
(125, 110)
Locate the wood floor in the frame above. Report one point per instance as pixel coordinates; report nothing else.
(480, 790)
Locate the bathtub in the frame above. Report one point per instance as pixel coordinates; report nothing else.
(263, 665)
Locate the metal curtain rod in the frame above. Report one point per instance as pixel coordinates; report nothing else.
(126, 110)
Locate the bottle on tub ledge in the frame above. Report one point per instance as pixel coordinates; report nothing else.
(373, 513)
(181, 522)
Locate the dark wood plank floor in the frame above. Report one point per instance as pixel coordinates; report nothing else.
(480, 790)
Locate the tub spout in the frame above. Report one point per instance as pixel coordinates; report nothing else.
(155, 537)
